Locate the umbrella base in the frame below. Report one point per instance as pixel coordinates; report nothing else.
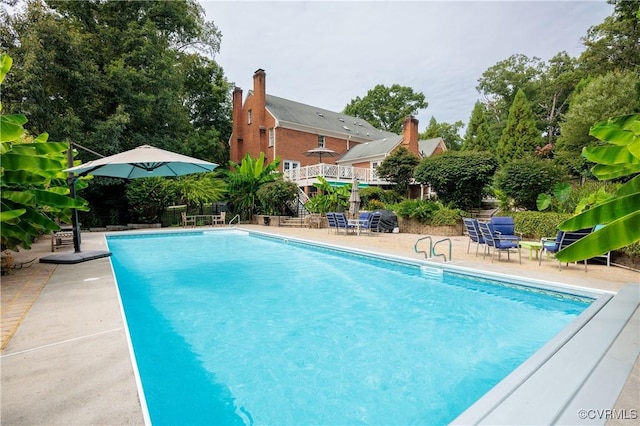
(73, 258)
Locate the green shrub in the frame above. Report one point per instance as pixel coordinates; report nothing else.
(535, 225)
(447, 216)
(275, 196)
(421, 210)
(522, 180)
(374, 205)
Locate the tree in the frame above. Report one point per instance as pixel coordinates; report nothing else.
(620, 158)
(459, 178)
(613, 45)
(550, 100)
(398, 168)
(199, 189)
(149, 198)
(447, 131)
(246, 178)
(114, 75)
(34, 190)
(520, 136)
(503, 80)
(478, 136)
(602, 97)
(386, 107)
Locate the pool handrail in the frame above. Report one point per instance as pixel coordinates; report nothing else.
(234, 218)
(430, 253)
(442, 254)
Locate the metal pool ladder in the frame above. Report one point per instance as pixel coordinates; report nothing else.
(432, 248)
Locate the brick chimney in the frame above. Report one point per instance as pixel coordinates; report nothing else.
(237, 125)
(410, 134)
(260, 93)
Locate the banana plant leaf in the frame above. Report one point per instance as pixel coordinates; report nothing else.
(11, 215)
(615, 235)
(619, 130)
(603, 213)
(11, 127)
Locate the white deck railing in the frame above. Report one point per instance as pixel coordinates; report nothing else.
(307, 175)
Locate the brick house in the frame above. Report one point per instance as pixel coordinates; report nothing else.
(288, 129)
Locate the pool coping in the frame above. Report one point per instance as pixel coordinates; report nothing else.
(587, 378)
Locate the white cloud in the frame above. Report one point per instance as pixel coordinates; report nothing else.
(327, 53)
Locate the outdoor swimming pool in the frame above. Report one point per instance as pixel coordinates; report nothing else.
(232, 327)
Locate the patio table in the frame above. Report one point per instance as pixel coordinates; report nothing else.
(532, 246)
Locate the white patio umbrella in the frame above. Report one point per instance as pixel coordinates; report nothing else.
(143, 161)
(354, 199)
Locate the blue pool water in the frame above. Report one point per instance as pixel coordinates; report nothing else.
(236, 328)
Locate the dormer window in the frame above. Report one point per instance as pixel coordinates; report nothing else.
(249, 116)
(320, 141)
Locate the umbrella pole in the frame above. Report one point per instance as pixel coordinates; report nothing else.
(74, 212)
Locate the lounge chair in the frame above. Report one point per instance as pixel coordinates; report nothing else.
(562, 240)
(499, 242)
(370, 223)
(474, 234)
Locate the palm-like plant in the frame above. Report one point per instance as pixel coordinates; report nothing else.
(621, 214)
(32, 181)
(245, 179)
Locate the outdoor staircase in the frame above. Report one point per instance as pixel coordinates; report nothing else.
(293, 222)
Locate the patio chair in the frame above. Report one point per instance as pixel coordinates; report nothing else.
(562, 240)
(499, 242)
(218, 219)
(505, 226)
(331, 221)
(342, 224)
(606, 256)
(474, 234)
(188, 220)
(370, 225)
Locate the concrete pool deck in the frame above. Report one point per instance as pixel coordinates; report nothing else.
(65, 357)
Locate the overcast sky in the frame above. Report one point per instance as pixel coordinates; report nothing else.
(327, 53)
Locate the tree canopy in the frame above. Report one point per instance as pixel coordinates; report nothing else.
(386, 107)
(450, 132)
(398, 168)
(113, 75)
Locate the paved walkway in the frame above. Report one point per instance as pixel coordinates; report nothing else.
(65, 358)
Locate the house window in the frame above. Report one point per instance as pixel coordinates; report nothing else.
(320, 141)
(290, 165)
(249, 116)
(272, 137)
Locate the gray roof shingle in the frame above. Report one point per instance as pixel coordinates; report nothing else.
(286, 111)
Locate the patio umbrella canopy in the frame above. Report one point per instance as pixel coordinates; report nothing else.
(143, 161)
(319, 152)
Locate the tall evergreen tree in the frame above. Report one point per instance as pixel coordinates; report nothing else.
(478, 136)
(520, 136)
